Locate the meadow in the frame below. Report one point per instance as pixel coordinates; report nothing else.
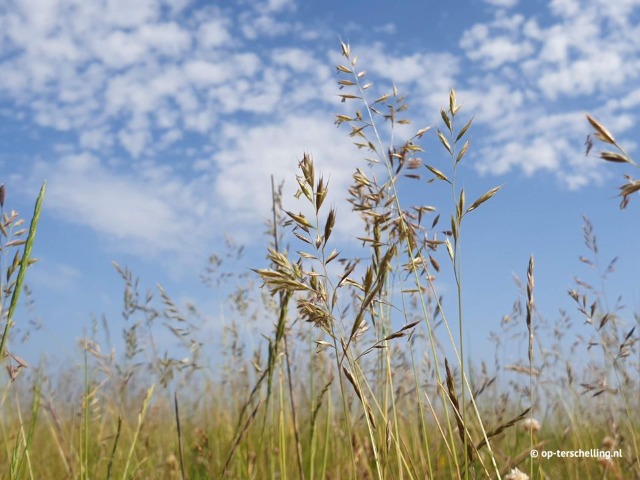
(364, 373)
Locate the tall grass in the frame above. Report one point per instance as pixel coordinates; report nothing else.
(364, 373)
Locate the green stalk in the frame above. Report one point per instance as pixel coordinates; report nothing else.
(457, 272)
(84, 438)
(16, 467)
(141, 415)
(325, 457)
(283, 438)
(24, 263)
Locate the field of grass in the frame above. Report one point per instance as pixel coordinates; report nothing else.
(362, 375)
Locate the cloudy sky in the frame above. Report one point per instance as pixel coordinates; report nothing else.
(158, 123)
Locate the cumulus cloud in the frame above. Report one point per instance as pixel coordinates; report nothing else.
(492, 50)
(425, 77)
(540, 75)
(145, 209)
(178, 116)
(137, 86)
(252, 156)
(119, 68)
(502, 3)
(130, 82)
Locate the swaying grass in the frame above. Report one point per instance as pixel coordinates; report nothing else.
(21, 262)
(364, 374)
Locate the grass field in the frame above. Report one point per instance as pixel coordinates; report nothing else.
(362, 375)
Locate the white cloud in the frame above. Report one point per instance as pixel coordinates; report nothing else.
(426, 76)
(482, 42)
(583, 77)
(541, 74)
(133, 81)
(296, 59)
(494, 52)
(168, 39)
(118, 63)
(169, 138)
(145, 213)
(96, 139)
(119, 49)
(407, 68)
(201, 72)
(253, 155)
(262, 25)
(245, 166)
(565, 7)
(123, 13)
(556, 44)
(214, 33)
(502, 3)
(150, 208)
(531, 157)
(135, 141)
(278, 5)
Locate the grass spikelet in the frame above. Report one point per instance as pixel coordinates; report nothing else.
(25, 261)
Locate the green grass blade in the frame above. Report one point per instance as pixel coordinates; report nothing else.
(24, 263)
(141, 415)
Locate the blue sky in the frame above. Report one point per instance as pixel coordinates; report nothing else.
(158, 123)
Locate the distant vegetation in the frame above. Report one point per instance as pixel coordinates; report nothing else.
(362, 375)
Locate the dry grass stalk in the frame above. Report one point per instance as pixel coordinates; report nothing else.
(463, 433)
(602, 134)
